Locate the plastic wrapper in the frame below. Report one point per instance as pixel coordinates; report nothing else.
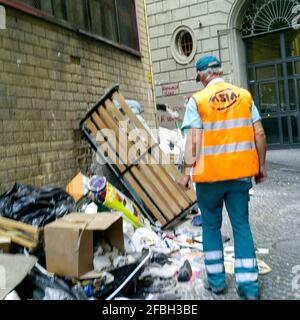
(112, 198)
(35, 206)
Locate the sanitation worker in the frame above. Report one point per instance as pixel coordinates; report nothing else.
(225, 148)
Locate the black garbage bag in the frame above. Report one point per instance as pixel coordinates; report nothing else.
(35, 206)
(39, 286)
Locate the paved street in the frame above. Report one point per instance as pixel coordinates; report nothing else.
(275, 217)
(275, 220)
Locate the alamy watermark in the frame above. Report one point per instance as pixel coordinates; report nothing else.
(296, 19)
(2, 278)
(138, 146)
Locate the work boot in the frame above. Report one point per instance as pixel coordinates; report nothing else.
(207, 286)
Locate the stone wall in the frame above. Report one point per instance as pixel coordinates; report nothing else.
(175, 82)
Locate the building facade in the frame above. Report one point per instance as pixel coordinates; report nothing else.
(258, 42)
(57, 58)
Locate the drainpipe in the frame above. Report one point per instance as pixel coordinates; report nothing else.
(219, 45)
(150, 63)
(221, 33)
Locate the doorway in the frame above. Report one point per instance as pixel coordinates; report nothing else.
(273, 67)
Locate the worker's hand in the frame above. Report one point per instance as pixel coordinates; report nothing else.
(262, 176)
(184, 184)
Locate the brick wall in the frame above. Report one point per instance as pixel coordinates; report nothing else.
(49, 78)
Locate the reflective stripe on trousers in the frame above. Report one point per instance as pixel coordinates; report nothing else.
(245, 263)
(213, 255)
(246, 277)
(215, 268)
(214, 262)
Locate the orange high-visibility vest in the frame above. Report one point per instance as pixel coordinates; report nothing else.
(228, 148)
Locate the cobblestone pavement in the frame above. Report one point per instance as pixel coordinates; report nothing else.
(275, 221)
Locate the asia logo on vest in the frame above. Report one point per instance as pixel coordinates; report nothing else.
(225, 99)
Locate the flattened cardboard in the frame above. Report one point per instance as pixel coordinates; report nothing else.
(77, 188)
(69, 241)
(13, 269)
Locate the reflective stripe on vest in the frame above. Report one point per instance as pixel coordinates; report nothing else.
(228, 124)
(227, 148)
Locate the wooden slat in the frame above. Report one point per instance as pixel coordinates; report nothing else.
(160, 174)
(118, 116)
(176, 200)
(128, 111)
(21, 233)
(170, 167)
(164, 200)
(17, 225)
(107, 122)
(158, 196)
(144, 197)
(111, 124)
(15, 237)
(101, 125)
(177, 177)
(89, 124)
(94, 130)
(171, 185)
(159, 181)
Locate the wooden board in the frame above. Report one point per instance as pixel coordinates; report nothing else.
(156, 185)
(20, 233)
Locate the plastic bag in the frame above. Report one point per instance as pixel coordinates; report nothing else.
(38, 286)
(144, 238)
(56, 294)
(35, 206)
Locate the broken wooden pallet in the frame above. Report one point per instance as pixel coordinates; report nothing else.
(142, 168)
(20, 233)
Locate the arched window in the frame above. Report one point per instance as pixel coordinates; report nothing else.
(263, 16)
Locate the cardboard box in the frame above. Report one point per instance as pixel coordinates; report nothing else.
(4, 244)
(69, 241)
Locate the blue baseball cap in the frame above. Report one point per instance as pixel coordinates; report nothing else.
(207, 62)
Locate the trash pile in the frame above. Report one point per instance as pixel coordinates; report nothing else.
(140, 165)
(93, 241)
(109, 252)
(89, 242)
(97, 247)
